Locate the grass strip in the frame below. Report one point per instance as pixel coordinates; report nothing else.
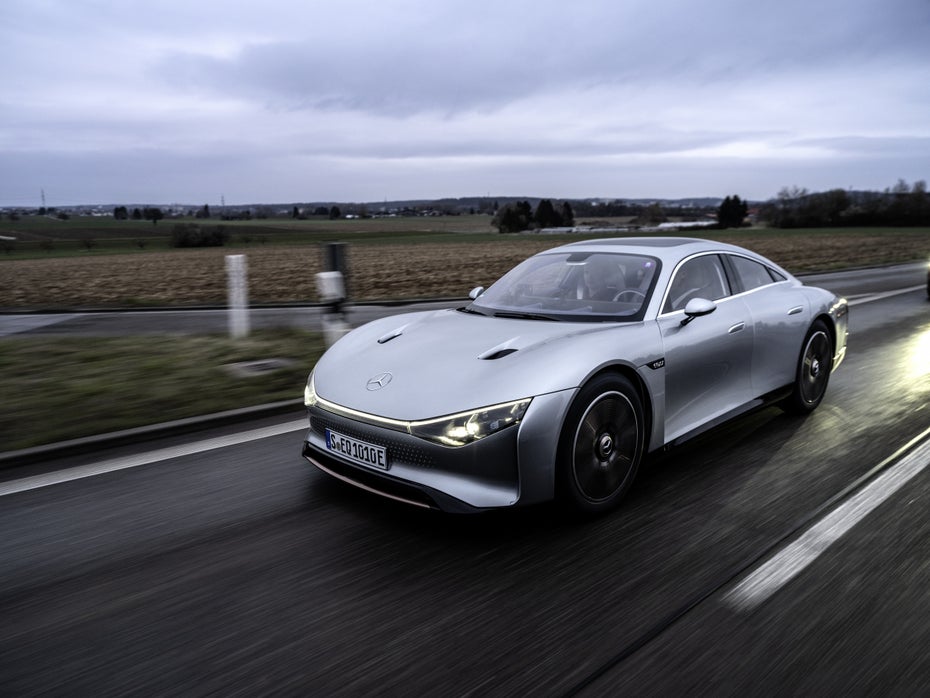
(58, 389)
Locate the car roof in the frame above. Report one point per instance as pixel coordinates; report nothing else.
(665, 248)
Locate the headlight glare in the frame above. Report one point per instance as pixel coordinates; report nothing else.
(468, 427)
(310, 398)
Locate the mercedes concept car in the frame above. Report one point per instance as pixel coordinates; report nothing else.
(556, 381)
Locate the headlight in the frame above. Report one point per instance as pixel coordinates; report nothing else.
(310, 398)
(468, 427)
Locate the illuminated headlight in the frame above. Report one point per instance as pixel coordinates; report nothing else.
(310, 398)
(468, 427)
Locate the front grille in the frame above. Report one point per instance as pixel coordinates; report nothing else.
(398, 449)
(373, 482)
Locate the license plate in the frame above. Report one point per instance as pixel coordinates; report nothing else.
(357, 451)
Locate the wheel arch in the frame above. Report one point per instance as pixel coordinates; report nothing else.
(830, 324)
(642, 390)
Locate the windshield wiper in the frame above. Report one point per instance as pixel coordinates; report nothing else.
(471, 311)
(525, 316)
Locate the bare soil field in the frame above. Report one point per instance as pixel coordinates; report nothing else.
(377, 271)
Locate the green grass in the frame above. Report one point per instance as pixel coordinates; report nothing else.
(45, 237)
(59, 389)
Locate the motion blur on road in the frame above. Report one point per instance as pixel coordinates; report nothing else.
(220, 563)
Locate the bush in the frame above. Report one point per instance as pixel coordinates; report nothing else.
(193, 235)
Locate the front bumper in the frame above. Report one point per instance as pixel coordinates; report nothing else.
(480, 475)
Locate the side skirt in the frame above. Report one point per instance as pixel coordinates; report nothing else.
(744, 409)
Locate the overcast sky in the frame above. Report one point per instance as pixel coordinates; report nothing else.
(161, 101)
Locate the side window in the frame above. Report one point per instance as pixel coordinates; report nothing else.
(701, 277)
(750, 274)
(776, 277)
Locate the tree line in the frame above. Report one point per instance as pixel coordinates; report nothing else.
(519, 216)
(900, 205)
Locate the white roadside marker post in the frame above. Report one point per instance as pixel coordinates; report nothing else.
(331, 287)
(238, 294)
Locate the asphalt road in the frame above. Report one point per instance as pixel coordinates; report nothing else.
(232, 568)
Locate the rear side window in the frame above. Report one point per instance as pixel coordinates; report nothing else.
(751, 274)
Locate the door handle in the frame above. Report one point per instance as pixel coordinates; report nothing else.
(795, 310)
(738, 327)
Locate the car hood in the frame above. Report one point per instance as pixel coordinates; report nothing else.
(443, 362)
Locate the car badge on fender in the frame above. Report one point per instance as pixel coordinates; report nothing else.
(379, 381)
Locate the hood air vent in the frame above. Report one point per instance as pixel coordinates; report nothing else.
(497, 354)
(393, 334)
(500, 351)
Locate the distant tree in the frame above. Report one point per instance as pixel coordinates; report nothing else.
(651, 215)
(546, 216)
(194, 235)
(514, 217)
(335, 213)
(825, 209)
(321, 211)
(204, 212)
(785, 210)
(797, 208)
(295, 212)
(920, 203)
(136, 214)
(121, 213)
(153, 214)
(732, 212)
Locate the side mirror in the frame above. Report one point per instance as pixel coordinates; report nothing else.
(698, 307)
(475, 292)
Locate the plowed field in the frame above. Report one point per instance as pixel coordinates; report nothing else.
(383, 271)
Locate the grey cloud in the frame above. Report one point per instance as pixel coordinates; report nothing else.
(292, 99)
(461, 63)
(913, 147)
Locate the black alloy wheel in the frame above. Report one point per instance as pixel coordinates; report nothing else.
(814, 366)
(601, 445)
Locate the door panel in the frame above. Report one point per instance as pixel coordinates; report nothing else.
(781, 316)
(707, 365)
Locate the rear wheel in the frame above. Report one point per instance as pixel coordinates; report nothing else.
(601, 445)
(813, 373)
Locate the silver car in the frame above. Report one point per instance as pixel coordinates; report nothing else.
(557, 380)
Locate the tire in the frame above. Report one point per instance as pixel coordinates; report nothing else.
(813, 374)
(601, 445)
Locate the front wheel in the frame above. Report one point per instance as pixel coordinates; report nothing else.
(813, 374)
(601, 445)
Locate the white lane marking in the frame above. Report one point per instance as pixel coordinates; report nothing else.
(792, 560)
(14, 324)
(886, 294)
(109, 466)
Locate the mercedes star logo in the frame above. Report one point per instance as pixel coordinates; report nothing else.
(379, 381)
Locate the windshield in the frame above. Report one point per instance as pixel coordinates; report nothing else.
(577, 286)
